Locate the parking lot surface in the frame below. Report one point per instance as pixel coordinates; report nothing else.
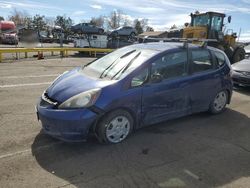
(195, 151)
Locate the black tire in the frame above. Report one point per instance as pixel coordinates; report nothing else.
(132, 35)
(104, 123)
(115, 34)
(239, 55)
(236, 85)
(100, 31)
(213, 109)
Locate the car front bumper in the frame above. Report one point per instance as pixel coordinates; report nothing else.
(67, 125)
(239, 78)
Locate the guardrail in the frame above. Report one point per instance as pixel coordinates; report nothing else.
(64, 51)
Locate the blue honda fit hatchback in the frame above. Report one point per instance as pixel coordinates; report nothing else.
(135, 86)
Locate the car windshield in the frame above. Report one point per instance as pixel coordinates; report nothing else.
(119, 63)
(201, 20)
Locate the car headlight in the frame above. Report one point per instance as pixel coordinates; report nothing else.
(84, 99)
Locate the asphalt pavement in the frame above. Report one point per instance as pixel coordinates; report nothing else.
(200, 150)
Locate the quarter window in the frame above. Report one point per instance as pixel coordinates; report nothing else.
(201, 61)
(170, 66)
(220, 58)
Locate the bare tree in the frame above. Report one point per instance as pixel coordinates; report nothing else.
(115, 19)
(19, 17)
(97, 21)
(50, 21)
(149, 29)
(144, 23)
(126, 21)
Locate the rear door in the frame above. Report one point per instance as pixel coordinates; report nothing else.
(205, 79)
(168, 98)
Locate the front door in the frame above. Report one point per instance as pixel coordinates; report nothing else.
(166, 96)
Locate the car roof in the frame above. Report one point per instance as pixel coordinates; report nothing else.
(163, 46)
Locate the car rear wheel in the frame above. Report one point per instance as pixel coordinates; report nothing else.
(100, 31)
(132, 35)
(115, 127)
(115, 34)
(219, 103)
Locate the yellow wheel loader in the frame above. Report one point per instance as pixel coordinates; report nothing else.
(211, 26)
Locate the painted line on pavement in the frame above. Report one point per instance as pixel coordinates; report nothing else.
(21, 85)
(192, 174)
(29, 150)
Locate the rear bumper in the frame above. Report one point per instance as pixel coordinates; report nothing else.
(66, 125)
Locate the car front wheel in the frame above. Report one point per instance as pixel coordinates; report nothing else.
(115, 127)
(219, 103)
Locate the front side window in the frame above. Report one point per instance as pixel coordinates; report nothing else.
(216, 23)
(201, 61)
(170, 66)
(201, 20)
(220, 58)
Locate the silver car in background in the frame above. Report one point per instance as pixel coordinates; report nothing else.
(126, 31)
(87, 28)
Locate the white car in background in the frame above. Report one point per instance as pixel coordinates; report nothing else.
(91, 41)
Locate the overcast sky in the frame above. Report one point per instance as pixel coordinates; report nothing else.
(161, 13)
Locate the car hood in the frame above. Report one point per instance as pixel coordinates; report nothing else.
(243, 65)
(72, 83)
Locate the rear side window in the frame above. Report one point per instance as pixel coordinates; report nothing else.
(220, 59)
(171, 65)
(201, 61)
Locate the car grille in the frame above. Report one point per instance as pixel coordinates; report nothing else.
(47, 101)
(246, 73)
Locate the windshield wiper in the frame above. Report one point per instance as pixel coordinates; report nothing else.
(122, 70)
(113, 64)
(108, 68)
(88, 64)
(127, 54)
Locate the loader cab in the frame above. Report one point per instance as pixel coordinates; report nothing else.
(205, 26)
(209, 26)
(211, 20)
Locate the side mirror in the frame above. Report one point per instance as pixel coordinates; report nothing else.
(156, 78)
(229, 19)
